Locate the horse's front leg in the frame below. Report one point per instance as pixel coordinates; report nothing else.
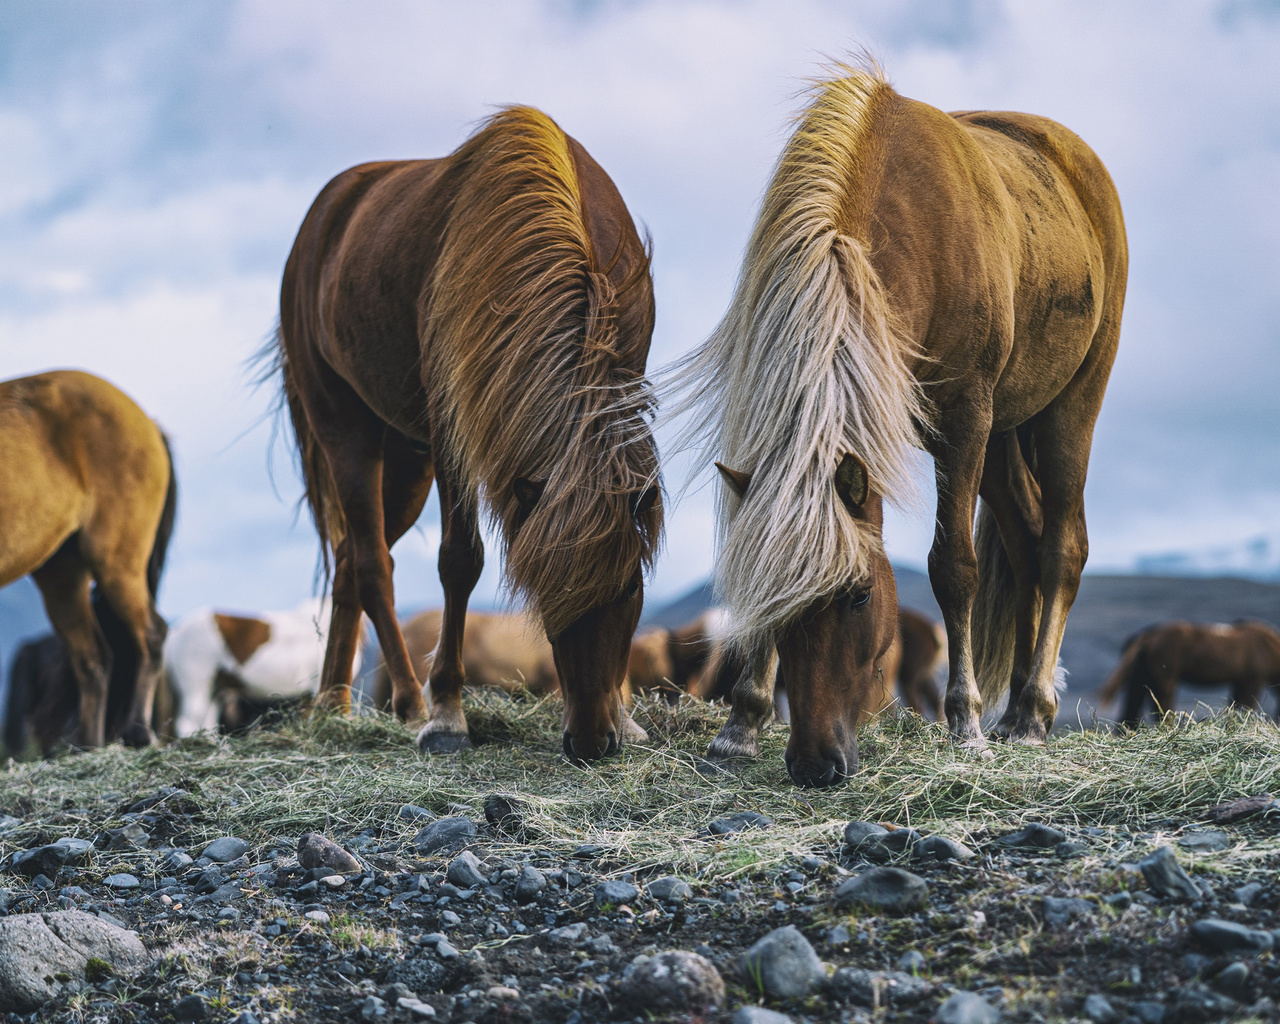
(953, 563)
(461, 561)
(752, 708)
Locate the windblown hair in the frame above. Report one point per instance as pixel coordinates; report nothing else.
(534, 351)
(806, 365)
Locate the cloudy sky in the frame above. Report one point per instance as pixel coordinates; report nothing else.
(157, 158)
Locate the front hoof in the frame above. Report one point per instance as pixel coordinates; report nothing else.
(1029, 734)
(726, 748)
(631, 731)
(435, 742)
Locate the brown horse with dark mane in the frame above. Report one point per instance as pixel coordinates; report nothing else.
(1244, 655)
(87, 504)
(915, 279)
(482, 320)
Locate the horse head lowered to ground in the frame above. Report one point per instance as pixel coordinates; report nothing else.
(482, 320)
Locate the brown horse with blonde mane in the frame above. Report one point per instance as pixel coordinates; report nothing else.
(87, 504)
(482, 320)
(1244, 655)
(914, 279)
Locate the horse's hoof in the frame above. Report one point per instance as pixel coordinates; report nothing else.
(632, 732)
(726, 749)
(977, 746)
(1032, 735)
(138, 736)
(443, 742)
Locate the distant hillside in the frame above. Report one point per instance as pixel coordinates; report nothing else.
(1108, 610)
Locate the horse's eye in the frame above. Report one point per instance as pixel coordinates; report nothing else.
(857, 598)
(631, 591)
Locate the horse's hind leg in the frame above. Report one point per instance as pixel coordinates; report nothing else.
(461, 562)
(129, 597)
(64, 584)
(1063, 436)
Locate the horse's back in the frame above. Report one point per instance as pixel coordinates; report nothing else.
(78, 454)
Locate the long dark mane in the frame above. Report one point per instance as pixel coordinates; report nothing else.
(536, 342)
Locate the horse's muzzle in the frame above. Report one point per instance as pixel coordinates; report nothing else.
(819, 772)
(590, 749)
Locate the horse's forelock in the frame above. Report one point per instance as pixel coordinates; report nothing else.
(537, 340)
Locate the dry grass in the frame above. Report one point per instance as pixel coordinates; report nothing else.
(650, 807)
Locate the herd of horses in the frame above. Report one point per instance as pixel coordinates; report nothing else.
(915, 280)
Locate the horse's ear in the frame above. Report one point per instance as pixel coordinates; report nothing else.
(528, 492)
(853, 482)
(737, 480)
(643, 502)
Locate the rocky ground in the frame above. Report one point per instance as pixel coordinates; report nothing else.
(328, 873)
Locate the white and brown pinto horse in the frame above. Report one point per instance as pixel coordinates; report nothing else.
(915, 279)
(215, 659)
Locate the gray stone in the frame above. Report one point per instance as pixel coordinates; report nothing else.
(603, 945)
(1232, 980)
(318, 916)
(445, 835)
(1060, 912)
(669, 888)
(1166, 877)
(1035, 836)
(912, 962)
(739, 822)
(941, 848)
(317, 851)
(1206, 841)
(858, 832)
(759, 1015)
(417, 1009)
(503, 812)
(1247, 893)
(1230, 937)
(530, 883)
(45, 860)
(466, 872)
(1197, 1003)
(228, 848)
(124, 880)
(674, 981)
(131, 837)
(887, 845)
(372, 1008)
(877, 988)
(8, 823)
(783, 965)
(966, 1008)
(839, 935)
(412, 812)
(569, 933)
(889, 890)
(176, 860)
(246, 1017)
(36, 947)
(1070, 850)
(615, 893)
(1146, 1011)
(1099, 1009)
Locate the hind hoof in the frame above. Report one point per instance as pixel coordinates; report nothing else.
(138, 736)
(443, 742)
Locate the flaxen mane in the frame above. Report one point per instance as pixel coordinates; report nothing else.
(806, 365)
(532, 345)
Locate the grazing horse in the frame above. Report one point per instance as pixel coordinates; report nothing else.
(87, 503)
(483, 320)
(914, 279)
(924, 646)
(215, 661)
(1244, 655)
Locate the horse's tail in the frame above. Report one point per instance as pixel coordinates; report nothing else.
(1123, 672)
(994, 626)
(164, 532)
(321, 493)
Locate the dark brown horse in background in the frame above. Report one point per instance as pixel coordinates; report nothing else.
(482, 320)
(87, 504)
(914, 279)
(1244, 655)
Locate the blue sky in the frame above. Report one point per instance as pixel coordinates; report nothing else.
(157, 158)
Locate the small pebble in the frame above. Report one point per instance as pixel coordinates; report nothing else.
(615, 893)
(1099, 1009)
(228, 848)
(783, 965)
(121, 881)
(318, 916)
(739, 822)
(966, 1008)
(891, 890)
(676, 981)
(759, 1015)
